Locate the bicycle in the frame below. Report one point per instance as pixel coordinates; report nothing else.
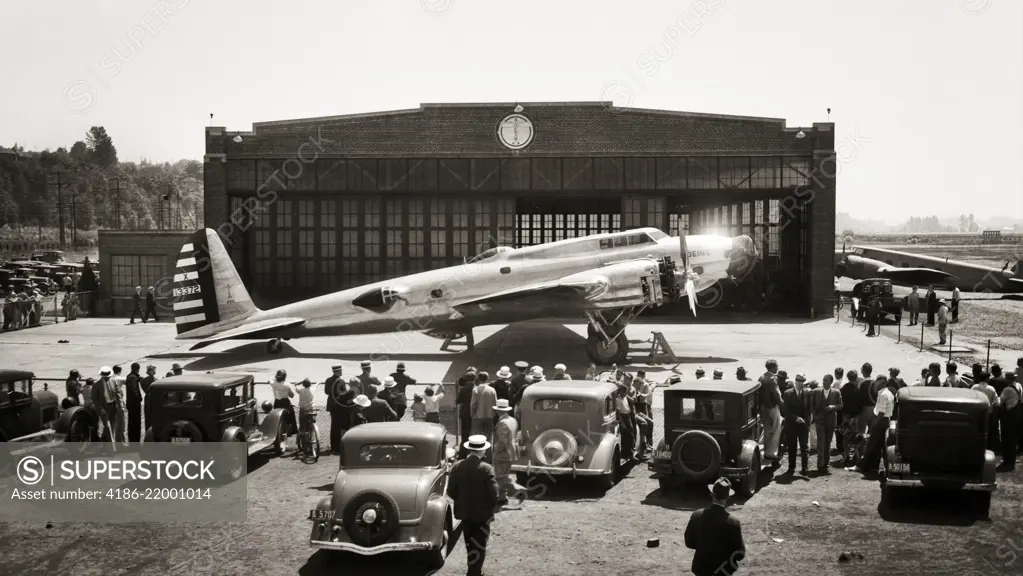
(308, 439)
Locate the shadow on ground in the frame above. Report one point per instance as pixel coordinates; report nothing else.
(932, 508)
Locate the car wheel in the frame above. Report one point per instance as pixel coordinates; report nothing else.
(983, 504)
(437, 557)
(702, 459)
(748, 486)
(281, 441)
(79, 430)
(384, 521)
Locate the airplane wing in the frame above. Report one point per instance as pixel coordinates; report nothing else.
(559, 293)
(251, 330)
(912, 276)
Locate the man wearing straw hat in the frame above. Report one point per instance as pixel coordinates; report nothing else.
(502, 384)
(506, 451)
(472, 485)
(942, 320)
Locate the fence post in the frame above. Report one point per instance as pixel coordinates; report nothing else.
(988, 355)
(921, 337)
(899, 341)
(949, 345)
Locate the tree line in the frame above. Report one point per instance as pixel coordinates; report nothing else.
(90, 188)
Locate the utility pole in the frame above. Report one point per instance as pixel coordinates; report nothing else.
(60, 205)
(117, 203)
(74, 220)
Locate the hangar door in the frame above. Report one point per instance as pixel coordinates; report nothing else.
(541, 220)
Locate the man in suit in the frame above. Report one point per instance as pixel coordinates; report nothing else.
(378, 410)
(518, 382)
(867, 397)
(883, 410)
(133, 398)
(913, 304)
(827, 404)
(797, 410)
(365, 380)
(770, 408)
(333, 387)
(136, 305)
(506, 452)
(151, 305)
(482, 403)
(502, 386)
(463, 401)
(472, 485)
(715, 536)
(402, 382)
(932, 305)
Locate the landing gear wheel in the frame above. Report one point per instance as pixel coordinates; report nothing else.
(616, 352)
(274, 346)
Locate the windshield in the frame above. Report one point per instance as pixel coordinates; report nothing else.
(657, 235)
(487, 254)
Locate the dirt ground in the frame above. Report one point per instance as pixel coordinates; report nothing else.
(794, 525)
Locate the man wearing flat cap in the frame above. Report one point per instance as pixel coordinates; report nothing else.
(401, 382)
(518, 382)
(716, 536)
(335, 387)
(366, 379)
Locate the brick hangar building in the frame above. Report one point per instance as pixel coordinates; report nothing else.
(312, 206)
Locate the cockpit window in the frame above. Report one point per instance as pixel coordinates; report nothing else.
(657, 235)
(488, 254)
(625, 240)
(643, 238)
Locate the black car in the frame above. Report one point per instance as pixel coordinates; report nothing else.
(940, 441)
(712, 429)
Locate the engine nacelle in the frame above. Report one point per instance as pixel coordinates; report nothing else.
(640, 282)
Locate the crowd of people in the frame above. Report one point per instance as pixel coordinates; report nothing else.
(21, 308)
(119, 400)
(867, 307)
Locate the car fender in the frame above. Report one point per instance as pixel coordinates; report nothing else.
(149, 436)
(603, 453)
(324, 503)
(233, 434)
(431, 527)
(337, 498)
(990, 465)
(271, 423)
(889, 456)
(745, 458)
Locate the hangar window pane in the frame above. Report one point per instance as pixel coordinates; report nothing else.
(306, 273)
(438, 214)
(795, 172)
(735, 172)
(349, 273)
(268, 175)
(284, 214)
(775, 211)
(306, 214)
(460, 229)
(372, 271)
(438, 246)
(328, 274)
(394, 214)
(759, 213)
(328, 244)
(284, 244)
(349, 214)
(372, 206)
(460, 243)
(559, 227)
(372, 244)
(459, 214)
(678, 224)
(415, 238)
(746, 206)
(349, 244)
(631, 213)
(330, 174)
(655, 212)
(262, 248)
(307, 244)
(482, 214)
(506, 222)
(298, 175)
(261, 269)
(241, 175)
(122, 273)
(703, 173)
(394, 244)
(285, 273)
(616, 222)
(764, 172)
(328, 209)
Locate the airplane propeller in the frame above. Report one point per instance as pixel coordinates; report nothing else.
(690, 275)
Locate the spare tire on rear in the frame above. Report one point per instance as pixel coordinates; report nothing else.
(555, 448)
(180, 429)
(385, 521)
(696, 456)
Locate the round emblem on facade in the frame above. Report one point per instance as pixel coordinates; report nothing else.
(515, 131)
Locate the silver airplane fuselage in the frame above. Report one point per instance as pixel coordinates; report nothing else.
(427, 301)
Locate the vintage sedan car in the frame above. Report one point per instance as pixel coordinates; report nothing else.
(712, 429)
(390, 493)
(216, 408)
(570, 427)
(939, 441)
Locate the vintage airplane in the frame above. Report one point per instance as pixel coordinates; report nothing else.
(917, 270)
(610, 278)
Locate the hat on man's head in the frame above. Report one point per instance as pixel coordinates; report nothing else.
(719, 372)
(365, 363)
(561, 367)
(150, 368)
(362, 400)
(700, 372)
(522, 364)
(536, 373)
(477, 443)
(389, 382)
(400, 367)
(502, 405)
(740, 370)
(721, 489)
(337, 368)
(783, 374)
(800, 378)
(504, 372)
(675, 379)
(175, 366)
(104, 371)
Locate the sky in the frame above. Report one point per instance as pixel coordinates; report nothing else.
(927, 95)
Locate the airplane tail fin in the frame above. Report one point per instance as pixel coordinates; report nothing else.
(207, 289)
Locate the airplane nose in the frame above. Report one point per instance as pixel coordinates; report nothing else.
(743, 258)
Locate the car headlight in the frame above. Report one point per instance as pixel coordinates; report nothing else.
(369, 516)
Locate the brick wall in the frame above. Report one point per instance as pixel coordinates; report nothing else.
(137, 243)
(822, 219)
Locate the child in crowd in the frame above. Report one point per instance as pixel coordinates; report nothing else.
(306, 418)
(432, 402)
(418, 409)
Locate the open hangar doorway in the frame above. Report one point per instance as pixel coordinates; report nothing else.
(777, 221)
